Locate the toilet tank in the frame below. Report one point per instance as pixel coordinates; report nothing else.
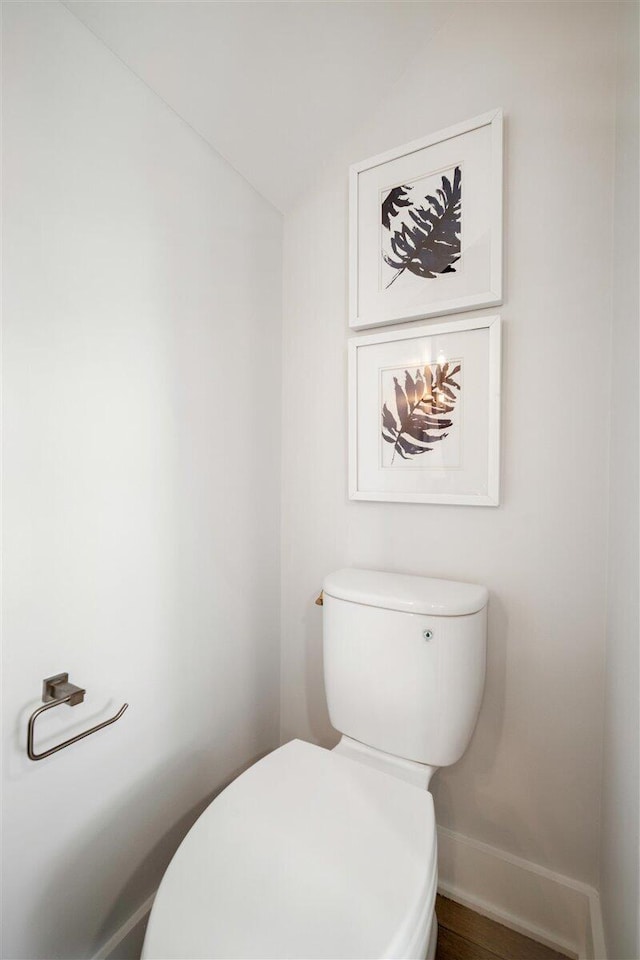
(404, 662)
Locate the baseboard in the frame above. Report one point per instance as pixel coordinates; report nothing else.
(554, 910)
(108, 949)
(559, 912)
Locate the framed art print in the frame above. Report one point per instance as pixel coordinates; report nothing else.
(424, 410)
(426, 226)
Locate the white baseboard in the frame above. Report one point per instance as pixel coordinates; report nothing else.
(125, 930)
(559, 912)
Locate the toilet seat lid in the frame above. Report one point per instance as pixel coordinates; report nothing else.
(307, 854)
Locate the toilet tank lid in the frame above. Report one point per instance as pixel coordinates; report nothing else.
(410, 594)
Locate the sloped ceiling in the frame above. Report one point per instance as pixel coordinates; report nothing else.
(272, 86)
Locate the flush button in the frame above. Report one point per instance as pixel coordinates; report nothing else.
(427, 634)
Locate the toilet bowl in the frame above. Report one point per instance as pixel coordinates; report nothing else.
(316, 853)
(307, 854)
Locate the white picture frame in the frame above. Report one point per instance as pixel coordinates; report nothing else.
(455, 368)
(460, 168)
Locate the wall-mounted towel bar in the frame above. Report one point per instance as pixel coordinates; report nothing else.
(55, 691)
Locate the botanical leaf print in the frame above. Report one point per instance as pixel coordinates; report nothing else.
(396, 198)
(430, 245)
(420, 407)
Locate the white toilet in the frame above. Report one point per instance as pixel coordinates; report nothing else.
(315, 853)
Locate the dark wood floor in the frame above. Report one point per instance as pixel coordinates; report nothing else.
(465, 935)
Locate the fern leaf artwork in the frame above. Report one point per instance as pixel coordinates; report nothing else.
(424, 238)
(418, 411)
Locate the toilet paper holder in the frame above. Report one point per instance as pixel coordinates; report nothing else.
(57, 690)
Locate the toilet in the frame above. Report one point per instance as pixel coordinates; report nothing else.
(316, 853)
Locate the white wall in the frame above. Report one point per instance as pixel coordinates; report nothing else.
(530, 781)
(620, 842)
(142, 310)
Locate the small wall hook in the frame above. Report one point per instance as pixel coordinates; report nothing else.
(55, 691)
